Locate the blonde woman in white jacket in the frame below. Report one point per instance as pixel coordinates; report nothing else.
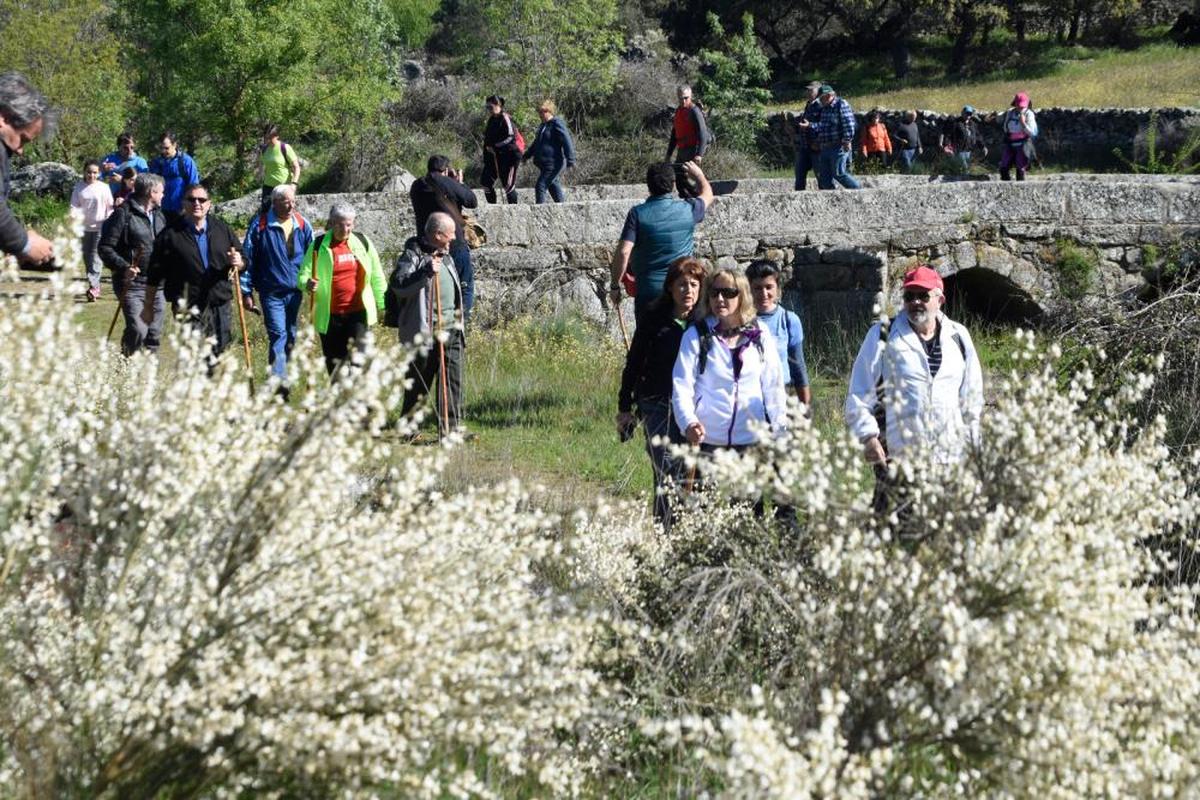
(727, 378)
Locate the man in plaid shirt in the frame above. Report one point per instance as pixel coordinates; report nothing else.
(834, 130)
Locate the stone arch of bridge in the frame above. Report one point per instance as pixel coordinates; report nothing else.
(985, 294)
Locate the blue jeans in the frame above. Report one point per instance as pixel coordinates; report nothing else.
(907, 156)
(657, 420)
(548, 180)
(280, 310)
(805, 161)
(833, 164)
(466, 275)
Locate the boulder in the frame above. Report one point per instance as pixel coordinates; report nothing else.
(399, 181)
(46, 178)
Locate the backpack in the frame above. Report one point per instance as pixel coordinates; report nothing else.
(518, 137)
(880, 409)
(706, 340)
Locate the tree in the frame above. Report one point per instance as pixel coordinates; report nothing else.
(220, 68)
(65, 48)
(526, 49)
(732, 79)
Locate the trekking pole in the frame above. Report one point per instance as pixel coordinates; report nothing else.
(237, 293)
(621, 322)
(442, 387)
(137, 256)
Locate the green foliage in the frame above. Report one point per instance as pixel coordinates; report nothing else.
(1185, 159)
(733, 83)
(551, 48)
(40, 211)
(1076, 268)
(66, 50)
(221, 68)
(412, 20)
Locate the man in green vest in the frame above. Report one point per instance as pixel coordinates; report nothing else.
(657, 233)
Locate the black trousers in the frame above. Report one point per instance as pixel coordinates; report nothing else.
(344, 330)
(425, 375)
(502, 166)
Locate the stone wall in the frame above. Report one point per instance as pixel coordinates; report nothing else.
(1067, 136)
(843, 249)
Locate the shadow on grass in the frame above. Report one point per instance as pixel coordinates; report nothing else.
(523, 411)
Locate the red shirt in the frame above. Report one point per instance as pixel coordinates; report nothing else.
(686, 134)
(348, 280)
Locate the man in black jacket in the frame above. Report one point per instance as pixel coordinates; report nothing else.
(126, 242)
(442, 190)
(24, 116)
(194, 259)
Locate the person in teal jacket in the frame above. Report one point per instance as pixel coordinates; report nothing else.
(341, 270)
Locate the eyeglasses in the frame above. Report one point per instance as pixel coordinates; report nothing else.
(197, 200)
(912, 297)
(728, 292)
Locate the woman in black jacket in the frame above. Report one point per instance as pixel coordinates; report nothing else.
(501, 153)
(646, 379)
(553, 151)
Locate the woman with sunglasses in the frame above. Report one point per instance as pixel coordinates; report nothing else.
(727, 380)
(646, 379)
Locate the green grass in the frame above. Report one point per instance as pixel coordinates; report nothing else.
(1159, 74)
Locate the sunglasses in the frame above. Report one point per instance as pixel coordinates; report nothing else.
(728, 292)
(196, 200)
(912, 297)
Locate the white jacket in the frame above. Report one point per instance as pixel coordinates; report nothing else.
(934, 415)
(725, 407)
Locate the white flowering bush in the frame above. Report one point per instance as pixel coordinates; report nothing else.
(1012, 630)
(206, 592)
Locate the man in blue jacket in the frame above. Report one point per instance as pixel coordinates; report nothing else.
(273, 249)
(178, 171)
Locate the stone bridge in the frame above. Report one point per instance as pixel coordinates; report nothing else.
(1004, 244)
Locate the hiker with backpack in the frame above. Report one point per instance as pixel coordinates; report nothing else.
(646, 379)
(834, 131)
(277, 164)
(784, 325)
(275, 246)
(1020, 128)
(552, 151)
(178, 171)
(916, 389)
(727, 379)
(690, 134)
(503, 146)
(342, 271)
(960, 137)
(442, 189)
(425, 303)
(126, 244)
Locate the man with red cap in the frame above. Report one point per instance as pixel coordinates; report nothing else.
(916, 390)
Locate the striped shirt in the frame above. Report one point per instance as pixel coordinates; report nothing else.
(933, 350)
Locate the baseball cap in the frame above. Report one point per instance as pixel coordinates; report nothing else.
(1021, 100)
(922, 277)
(813, 85)
(825, 89)
(968, 109)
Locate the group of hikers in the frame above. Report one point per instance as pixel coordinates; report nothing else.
(825, 135)
(713, 357)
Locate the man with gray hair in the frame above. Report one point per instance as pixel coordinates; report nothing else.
(275, 245)
(689, 132)
(126, 244)
(342, 270)
(25, 115)
(426, 289)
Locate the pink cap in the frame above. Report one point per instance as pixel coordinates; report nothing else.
(1021, 100)
(922, 278)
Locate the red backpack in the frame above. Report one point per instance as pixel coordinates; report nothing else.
(518, 139)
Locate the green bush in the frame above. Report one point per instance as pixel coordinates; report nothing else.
(1076, 267)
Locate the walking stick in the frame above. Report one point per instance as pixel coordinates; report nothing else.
(621, 322)
(237, 293)
(445, 393)
(137, 256)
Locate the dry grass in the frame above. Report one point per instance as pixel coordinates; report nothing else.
(1158, 76)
